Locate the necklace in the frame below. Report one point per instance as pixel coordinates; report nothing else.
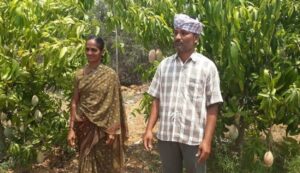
(90, 70)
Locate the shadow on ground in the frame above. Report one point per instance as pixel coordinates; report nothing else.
(140, 161)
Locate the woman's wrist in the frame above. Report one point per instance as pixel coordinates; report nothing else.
(71, 127)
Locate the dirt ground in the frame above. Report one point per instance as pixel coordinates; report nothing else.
(137, 159)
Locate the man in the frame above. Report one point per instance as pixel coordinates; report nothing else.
(186, 93)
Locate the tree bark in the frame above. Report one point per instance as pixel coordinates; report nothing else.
(2, 143)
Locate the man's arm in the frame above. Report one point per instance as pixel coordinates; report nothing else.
(205, 146)
(148, 135)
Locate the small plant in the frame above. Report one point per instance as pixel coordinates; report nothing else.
(224, 160)
(293, 166)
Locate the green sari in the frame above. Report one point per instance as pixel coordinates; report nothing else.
(100, 112)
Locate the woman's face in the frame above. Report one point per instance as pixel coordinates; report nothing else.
(93, 53)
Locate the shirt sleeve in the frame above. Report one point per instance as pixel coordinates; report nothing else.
(154, 89)
(213, 91)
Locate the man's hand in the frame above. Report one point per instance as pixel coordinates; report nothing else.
(203, 152)
(148, 135)
(71, 138)
(205, 146)
(148, 139)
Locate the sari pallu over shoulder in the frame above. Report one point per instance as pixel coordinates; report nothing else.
(100, 101)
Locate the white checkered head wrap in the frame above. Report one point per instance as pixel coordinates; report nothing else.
(183, 21)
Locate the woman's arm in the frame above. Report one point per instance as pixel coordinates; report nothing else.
(71, 135)
(74, 102)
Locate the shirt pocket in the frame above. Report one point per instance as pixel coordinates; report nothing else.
(195, 89)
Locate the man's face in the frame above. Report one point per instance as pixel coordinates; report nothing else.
(184, 41)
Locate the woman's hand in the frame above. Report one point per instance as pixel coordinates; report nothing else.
(110, 139)
(71, 138)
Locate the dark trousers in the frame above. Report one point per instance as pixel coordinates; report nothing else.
(175, 156)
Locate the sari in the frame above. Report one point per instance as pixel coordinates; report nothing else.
(100, 112)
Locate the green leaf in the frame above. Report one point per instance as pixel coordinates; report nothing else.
(63, 52)
(79, 30)
(5, 73)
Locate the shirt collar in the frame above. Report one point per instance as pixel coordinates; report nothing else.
(194, 57)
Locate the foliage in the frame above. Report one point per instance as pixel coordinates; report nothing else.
(293, 165)
(124, 51)
(145, 105)
(149, 73)
(146, 23)
(223, 160)
(41, 45)
(288, 154)
(255, 45)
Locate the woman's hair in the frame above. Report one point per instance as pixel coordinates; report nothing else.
(99, 41)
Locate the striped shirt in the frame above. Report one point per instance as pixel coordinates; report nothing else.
(185, 90)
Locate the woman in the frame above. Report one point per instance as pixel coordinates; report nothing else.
(97, 120)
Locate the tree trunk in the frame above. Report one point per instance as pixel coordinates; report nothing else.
(2, 143)
(240, 140)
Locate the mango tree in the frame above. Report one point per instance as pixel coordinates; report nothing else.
(41, 44)
(255, 45)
